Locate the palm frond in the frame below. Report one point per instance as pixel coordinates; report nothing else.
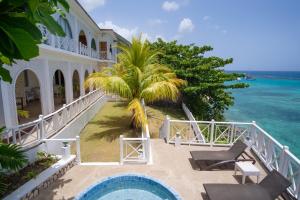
(138, 115)
(162, 90)
(11, 156)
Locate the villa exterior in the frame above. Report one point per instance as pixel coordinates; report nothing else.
(56, 77)
(51, 88)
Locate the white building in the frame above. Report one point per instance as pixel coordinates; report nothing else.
(56, 77)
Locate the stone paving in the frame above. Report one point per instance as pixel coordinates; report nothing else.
(171, 165)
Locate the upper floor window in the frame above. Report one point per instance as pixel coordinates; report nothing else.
(65, 26)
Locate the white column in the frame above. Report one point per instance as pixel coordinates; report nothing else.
(9, 104)
(69, 83)
(81, 77)
(46, 90)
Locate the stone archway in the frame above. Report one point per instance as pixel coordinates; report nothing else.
(76, 85)
(28, 96)
(59, 92)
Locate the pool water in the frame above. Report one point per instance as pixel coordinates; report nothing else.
(129, 187)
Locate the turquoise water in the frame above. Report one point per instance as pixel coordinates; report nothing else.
(273, 101)
(128, 187)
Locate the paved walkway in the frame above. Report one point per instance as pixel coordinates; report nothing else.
(171, 165)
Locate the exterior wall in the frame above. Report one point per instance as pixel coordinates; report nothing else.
(55, 56)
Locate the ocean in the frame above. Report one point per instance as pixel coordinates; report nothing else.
(273, 101)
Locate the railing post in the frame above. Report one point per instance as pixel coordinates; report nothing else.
(42, 128)
(212, 130)
(168, 128)
(121, 149)
(283, 161)
(148, 149)
(78, 156)
(252, 133)
(14, 135)
(64, 114)
(231, 134)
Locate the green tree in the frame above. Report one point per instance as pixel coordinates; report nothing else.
(138, 76)
(207, 93)
(18, 31)
(12, 158)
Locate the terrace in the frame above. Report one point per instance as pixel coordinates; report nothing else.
(128, 152)
(171, 165)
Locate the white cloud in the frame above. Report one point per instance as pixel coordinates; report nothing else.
(90, 5)
(125, 32)
(205, 18)
(154, 22)
(170, 6)
(186, 25)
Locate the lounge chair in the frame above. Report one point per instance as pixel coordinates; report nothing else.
(269, 188)
(218, 158)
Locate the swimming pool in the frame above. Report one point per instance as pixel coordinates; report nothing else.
(129, 187)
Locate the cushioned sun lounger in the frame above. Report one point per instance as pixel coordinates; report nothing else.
(222, 157)
(269, 188)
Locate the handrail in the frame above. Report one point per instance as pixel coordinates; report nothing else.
(30, 133)
(216, 122)
(269, 151)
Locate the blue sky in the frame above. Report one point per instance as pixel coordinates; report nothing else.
(258, 34)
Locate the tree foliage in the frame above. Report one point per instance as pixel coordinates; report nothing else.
(11, 158)
(18, 31)
(207, 93)
(138, 76)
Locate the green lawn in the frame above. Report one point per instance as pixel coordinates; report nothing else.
(157, 114)
(99, 140)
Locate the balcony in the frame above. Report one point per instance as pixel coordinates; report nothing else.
(69, 44)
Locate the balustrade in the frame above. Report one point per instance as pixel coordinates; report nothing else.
(33, 132)
(271, 153)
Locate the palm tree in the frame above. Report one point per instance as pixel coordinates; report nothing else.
(11, 158)
(138, 76)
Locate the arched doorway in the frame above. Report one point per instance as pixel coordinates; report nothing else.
(28, 98)
(82, 43)
(86, 74)
(76, 85)
(59, 89)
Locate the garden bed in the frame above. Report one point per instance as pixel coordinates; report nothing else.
(14, 181)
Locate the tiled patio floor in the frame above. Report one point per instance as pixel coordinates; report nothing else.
(171, 166)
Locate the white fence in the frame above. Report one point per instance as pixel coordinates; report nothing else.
(68, 142)
(136, 150)
(271, 153)
(32, 133)
(197, 131)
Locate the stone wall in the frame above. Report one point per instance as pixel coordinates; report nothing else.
(35, 192)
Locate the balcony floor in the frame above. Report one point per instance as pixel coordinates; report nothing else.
(170, 165)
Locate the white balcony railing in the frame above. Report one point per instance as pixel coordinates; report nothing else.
(83, 49)
(32, 133)
(70, 44)
(271, 153)
(65, 43)
(103, 55)
(94, 54)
